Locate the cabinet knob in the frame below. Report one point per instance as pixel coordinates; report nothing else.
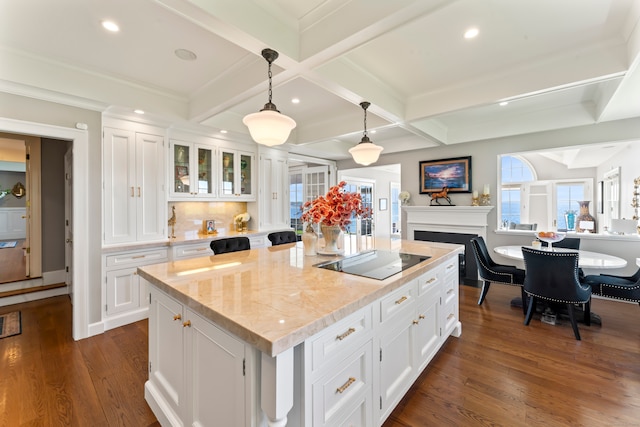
(177, 317)
(421, 316)
(415, 322)
(187, 324)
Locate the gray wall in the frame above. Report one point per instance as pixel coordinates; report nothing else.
(53, 186)
(485, 170)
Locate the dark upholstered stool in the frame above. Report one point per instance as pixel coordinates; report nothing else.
(282, 237)
(231, 244)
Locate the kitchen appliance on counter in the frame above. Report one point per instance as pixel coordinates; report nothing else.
(376, 264)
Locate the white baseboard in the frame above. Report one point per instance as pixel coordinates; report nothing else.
(112, 322)
(160, 408)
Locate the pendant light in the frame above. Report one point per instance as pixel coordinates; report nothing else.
(366, 152)
(269, 127)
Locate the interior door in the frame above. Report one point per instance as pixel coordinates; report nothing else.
(68, 222)
(33, 242)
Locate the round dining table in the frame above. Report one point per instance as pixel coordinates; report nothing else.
(586, 259)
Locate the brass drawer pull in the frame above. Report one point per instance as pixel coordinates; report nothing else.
(346, 385)
(187, 324)
(449, 291)
(401, 300)
(346, 334)
(450, 266)
(433, 279)
(138, 256)
(177, 317)
(451, 316)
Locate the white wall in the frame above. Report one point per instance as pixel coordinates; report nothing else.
(628, 161)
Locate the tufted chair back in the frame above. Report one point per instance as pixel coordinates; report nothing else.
(490, 271)
(231, 244)
(553, 276)
(282, 237)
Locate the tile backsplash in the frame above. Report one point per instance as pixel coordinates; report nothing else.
(189, 215)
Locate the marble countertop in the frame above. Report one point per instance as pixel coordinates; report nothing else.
(274, 298)
(186, 238)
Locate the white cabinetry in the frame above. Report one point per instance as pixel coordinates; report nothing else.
(196, 370)
(412, 329)
(126, 295)
(237, 175)
(192, 250)
(134, 194)
(192, 173)
(272, 208)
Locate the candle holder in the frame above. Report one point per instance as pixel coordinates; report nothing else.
(475, 201)
(485, 200)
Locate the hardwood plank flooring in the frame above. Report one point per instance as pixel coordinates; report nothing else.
(498, 373)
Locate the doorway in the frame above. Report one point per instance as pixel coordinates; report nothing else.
(79, 141)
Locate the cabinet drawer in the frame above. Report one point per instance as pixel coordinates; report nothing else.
(137, 258)
(341, 339)
(337, 394)
(450, 268)
(429, 280)
(398, 301)
(449, 291)
(192, 251)
(449, 317)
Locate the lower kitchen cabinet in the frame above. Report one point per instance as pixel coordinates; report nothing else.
(126, 296)
(196, 370)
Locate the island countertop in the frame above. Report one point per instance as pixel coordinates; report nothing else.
(274, 298)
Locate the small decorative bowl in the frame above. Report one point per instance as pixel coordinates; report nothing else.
(551, 236)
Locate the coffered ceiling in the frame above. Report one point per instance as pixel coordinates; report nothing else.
(559, 63)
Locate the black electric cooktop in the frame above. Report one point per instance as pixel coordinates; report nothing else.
(375, 264)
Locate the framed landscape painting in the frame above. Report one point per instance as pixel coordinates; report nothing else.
(455, 174)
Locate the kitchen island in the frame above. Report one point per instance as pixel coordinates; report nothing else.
(265, 337)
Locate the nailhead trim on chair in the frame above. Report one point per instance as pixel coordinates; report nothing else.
(557, 300)
(509, 275)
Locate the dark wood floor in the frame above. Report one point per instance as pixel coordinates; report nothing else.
(499, 373)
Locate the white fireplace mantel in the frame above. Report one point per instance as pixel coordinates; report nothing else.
(447, 219)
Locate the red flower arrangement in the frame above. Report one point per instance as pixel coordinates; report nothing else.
(335, 208)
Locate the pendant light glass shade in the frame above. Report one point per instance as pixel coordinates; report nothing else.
(366, 152)
(269, 127)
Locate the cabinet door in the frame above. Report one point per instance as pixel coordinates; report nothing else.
(150, 190)
(426, 328)
(245, 175)
(119, 174)
(122, 291)
(274, 191)
(166, 351)
(228, 187)
(203, 181)
(180, 158)
(215, 362)
(236, 175)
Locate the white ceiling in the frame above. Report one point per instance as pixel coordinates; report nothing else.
(559, 63)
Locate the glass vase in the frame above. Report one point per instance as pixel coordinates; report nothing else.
(570, 220)
(331, 235)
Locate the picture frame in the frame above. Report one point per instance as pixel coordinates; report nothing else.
(209, 226)
(182, 171)
(382, 204)
(453, 173)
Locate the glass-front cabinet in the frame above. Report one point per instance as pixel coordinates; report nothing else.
(236, 175)
(193, 170)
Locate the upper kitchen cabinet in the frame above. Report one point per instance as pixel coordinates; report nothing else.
(134, 193)
(237, 175)
(192, 173)
(271, 211)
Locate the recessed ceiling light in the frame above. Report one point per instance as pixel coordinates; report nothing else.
(110, 26)
(372, 131)
(503, 103)
(138, 111)
(185, 54)
(471, 33)
(295, 101)
(223, 131)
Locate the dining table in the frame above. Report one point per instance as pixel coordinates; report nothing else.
(586, 259)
